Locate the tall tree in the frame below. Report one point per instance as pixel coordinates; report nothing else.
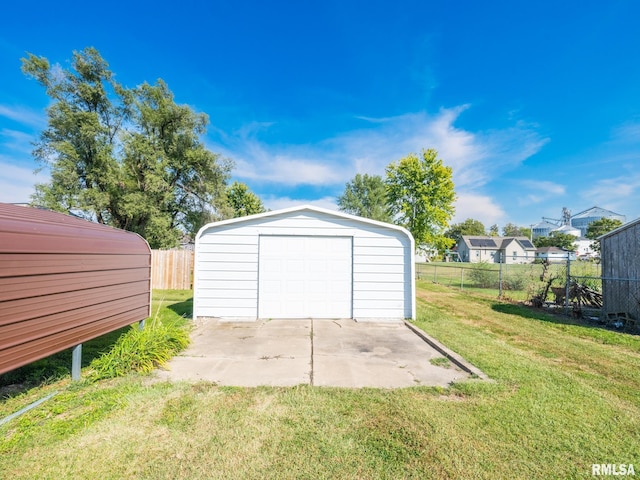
(557, 239)
(494, 230)
(243, 201)
(600, 227)
(468, 227)
(130, 158)
(512, 230)
(365, 196)
(420, 195)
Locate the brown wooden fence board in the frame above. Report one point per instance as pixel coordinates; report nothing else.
(172, 269)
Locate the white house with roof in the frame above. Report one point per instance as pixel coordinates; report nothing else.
(554, 254)
(480, 248)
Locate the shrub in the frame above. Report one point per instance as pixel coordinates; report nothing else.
(484, 276)
(514, 282)
(141, 350)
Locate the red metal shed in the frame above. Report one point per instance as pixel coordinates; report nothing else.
(64, 280)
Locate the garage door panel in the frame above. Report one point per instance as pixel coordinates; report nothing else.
(305, 276)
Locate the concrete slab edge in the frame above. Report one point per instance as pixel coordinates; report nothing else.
(452, 356)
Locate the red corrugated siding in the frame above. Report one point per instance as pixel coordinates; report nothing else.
(64, 281)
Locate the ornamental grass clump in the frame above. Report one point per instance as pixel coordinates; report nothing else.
(141, 350)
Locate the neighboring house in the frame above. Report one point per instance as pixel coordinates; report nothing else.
(620, 257)
(477, 248)
(554, 254)
(584, 249)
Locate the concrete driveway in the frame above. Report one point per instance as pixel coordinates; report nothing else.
(335, 353)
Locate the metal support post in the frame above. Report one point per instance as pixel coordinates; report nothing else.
(76, 362)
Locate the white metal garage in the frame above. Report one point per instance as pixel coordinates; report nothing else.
(304, 262)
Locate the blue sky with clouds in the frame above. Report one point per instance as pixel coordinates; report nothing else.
(535, 105)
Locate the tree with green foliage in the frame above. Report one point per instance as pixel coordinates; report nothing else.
(512, 230)
(365, 196)
(243, 201)
(598, 228)
(129, 158)
(557, 239)
(468, 227)
(420, 196)
(494, 230)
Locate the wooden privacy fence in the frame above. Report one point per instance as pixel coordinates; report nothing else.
(171, 269)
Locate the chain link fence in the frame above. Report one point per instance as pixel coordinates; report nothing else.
(569, 287)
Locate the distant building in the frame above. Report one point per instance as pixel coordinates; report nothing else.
(479, 248)
(543, 229)
(575, 225)
(554, 254)
(582, 220)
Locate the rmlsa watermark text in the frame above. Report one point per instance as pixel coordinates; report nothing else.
(622, 469)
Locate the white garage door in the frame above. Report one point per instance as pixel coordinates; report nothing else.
(304, 277)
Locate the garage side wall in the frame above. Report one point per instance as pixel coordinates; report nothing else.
(227, 264)
(226, 272)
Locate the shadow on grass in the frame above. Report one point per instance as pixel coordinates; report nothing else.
(58, 366)
(54, 367)
(557, 318)
(184, 309)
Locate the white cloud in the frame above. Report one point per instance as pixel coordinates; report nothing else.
(16, 141)
(25, 116)
(288, 170)
(615, 194)
(276, 203)
(538, 191)
(478, 207)
(626, 133)
(474, 157)
(17, 183)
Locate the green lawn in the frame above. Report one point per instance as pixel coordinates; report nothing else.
(563, 397)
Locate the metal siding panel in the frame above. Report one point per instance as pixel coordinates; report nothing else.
(382, 288)
(23, 354)
(21, 309)
(19, 287)
(226, 260)
(21, 264)
(38, 327)
(64, 281)
(392, 274)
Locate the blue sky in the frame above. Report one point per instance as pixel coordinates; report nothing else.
(535, 105)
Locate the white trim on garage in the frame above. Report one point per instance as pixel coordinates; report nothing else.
(228, 270)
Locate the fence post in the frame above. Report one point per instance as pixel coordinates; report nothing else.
(566, 285)
(500, 276)
(461, 278)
